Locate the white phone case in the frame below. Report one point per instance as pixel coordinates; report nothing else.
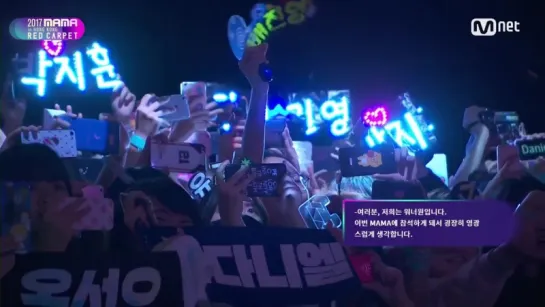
(179, 158)
(63, 142)
(179, 103)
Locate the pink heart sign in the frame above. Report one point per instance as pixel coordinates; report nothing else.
(375, 117)
(53, 47)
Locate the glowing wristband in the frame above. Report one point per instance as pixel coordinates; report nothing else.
(138, 142)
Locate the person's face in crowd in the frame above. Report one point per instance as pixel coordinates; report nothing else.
(530, 219)
(292, 182)
(144, 211)
(446, 261)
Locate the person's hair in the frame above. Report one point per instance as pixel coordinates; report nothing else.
(361, 185)
(279, 153)
(170, 195)
(32, 163)
(439, 193)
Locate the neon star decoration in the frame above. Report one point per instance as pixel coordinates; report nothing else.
(72, 69)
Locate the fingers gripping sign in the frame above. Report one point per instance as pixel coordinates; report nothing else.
(232, 192)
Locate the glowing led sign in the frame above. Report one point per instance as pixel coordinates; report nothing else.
(278, 17)
(333, 111)
(72, 69)
(375, 117)
(410, 138)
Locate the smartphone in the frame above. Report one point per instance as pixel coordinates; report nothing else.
(179, 104)
(267, 181)
(63, 142)
(358, 161)
(362, 266)
(505, 153)
(193, 89)
(530, 149)
(15, 206)
(389, 190)
(101, 214)
(96, 136)
(179, 158)
(273, 133)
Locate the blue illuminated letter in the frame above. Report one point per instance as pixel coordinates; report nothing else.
(99, 56)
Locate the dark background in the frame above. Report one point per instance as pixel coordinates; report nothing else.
(376, 49)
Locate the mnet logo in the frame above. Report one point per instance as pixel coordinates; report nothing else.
(489, 26)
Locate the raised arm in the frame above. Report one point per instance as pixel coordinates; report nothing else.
(253, 140)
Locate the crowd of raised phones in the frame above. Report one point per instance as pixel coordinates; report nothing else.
(147, 210)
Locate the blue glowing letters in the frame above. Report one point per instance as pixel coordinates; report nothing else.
(70, 69)
(333, 111)
(412, 138)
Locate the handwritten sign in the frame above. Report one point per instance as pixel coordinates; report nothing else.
(43, 71)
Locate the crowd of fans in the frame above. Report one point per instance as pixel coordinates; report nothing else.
(511, 274)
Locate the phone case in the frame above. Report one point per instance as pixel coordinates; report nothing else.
(362, 266)
(100, 217)
(180, 104)
(63, 142)
(96, 136)
(357, 161)
(179, 158)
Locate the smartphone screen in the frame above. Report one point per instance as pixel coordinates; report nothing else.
(267, 181)
(358, 161)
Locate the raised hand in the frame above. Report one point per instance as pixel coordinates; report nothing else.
(409, 168)
(529, 221)
(387, 283)
(249, 65)
(12, 109)
(149, 113)
(69, 111)
(200, 119)
(123, 104)
(232, 193)
(15, 136)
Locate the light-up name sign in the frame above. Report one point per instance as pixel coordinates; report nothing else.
(278, 16)
(72, 69)
(333, 111)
